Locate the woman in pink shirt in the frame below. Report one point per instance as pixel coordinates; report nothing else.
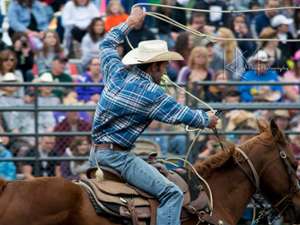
(292, 92)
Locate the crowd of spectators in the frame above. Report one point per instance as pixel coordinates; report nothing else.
(56, 41)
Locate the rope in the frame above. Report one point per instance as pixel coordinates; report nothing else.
(197, 174)
(208, 36)
(223, 11)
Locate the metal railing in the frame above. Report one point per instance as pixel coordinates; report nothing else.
(35, 108)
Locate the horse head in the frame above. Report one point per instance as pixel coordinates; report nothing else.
(277, 172)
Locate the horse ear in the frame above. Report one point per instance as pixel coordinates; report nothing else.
(262, 125)
(274, 128)
(276, 132)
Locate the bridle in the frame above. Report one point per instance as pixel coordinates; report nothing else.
(286, 201)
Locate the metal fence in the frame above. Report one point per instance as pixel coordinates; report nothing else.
(36, 108)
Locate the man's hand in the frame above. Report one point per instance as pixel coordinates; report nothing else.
(213, 119)
(136, 18)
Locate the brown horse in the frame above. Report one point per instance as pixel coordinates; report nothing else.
(55, 201)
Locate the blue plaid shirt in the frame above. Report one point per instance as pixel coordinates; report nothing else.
(131, 100)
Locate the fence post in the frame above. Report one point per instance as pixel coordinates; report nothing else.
(36, 128)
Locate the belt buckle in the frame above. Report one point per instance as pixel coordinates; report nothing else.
(111, 146)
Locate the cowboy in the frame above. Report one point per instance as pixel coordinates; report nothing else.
(131, 99)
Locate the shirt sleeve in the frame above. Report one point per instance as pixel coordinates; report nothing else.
(109, 57)
(166, 109)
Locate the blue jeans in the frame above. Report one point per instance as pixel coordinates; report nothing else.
(145, 177)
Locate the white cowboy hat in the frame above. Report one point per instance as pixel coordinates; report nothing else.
(45, 77)
(9, 77)
(260, 56)
(280, 20)
(150, 51)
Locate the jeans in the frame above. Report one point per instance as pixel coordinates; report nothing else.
(145, 177)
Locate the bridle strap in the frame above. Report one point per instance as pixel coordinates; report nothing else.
(253, 170)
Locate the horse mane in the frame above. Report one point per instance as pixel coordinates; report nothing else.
(206, 167)
(268, 132)
(3, 184)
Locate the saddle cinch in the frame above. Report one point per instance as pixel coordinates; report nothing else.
(114, 197)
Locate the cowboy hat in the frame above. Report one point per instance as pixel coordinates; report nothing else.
(44, 77)
(260, 56)
(150, 51)
(281, 113)
(280, 20)
(9, 77)
(272, 96)
(239, 117)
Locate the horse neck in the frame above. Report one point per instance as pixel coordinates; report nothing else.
(232, 191)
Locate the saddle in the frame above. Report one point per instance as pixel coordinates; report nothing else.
(116, 198)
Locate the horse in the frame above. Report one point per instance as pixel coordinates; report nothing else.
(56, 201)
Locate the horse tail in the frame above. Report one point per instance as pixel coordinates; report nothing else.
(2, 185)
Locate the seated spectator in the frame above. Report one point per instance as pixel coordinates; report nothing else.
(240, 28)
(198, 22)
(7, 169)
(292, 93)
(282, 118)
(137, 35)
(58, 75)
(51, 50)
(80, 147)
(46, 96)
(46, 120)
(72, 122)
(9, 97)
(91, 40)
(281, 24)
(240, 120)
(215, 17)
(167, 31)
(214, 60)
(217, 93)
(271, 48)
(72, 99)
(264, 19)
(34, 169)
(115, 14)
(76, 17)
(212, 146)
(29, 16)
(260, 72)
(24, 55)
(92, 75)
(230, 54)
(197, 70)
(183, 45)
(8, 62)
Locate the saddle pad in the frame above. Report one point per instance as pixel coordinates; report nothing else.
(106, 197)
(114, 188)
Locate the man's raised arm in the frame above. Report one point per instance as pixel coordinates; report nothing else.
(110, 59)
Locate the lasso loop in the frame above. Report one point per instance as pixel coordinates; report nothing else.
(208, 36)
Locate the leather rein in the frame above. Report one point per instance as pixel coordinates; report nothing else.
(283, 204)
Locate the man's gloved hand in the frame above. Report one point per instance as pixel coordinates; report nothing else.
(213, 119)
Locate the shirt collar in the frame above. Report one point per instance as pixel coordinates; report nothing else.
(141, 73)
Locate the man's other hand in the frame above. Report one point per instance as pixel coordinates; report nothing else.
(213, 119)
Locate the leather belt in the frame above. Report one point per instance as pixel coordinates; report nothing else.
(110, 146)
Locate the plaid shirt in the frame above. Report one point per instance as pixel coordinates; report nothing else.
(131, 100)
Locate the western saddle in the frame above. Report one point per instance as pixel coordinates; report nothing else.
(114, 197)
